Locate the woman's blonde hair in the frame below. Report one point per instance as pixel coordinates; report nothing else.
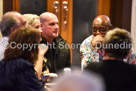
(30, 18)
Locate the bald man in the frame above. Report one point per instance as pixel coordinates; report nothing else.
(58, 55)
(100, 26)
(88, 49)
(91, 48)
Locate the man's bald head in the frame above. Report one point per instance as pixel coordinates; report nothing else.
(101, 25)
(102, 20)
(45, 16)
(50, 26)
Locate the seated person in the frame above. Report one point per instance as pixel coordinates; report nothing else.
(17, 71)
(58, 54)
(118, 75)
(91, 50)
(33, 21)
(9, 22)
(78, 81)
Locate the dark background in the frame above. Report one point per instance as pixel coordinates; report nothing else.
(84, 11)
(32, 6)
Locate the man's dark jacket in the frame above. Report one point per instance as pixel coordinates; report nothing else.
(118, 75)
(18, 75)
(58, 55)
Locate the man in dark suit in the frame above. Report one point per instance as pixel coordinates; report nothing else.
(118, 75)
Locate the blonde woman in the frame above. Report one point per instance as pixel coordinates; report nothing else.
(33, 20)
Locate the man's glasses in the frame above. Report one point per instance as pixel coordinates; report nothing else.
(100, 29)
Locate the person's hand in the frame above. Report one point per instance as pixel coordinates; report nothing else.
(38, 65)
(96, 40)
(42, 49)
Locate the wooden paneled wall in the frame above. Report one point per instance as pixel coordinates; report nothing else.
(65, 30)
(103, 7)
(10, 5)
(119, 12)
(16, 5)
(7, 5)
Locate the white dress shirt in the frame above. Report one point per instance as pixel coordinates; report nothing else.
(3, 45)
